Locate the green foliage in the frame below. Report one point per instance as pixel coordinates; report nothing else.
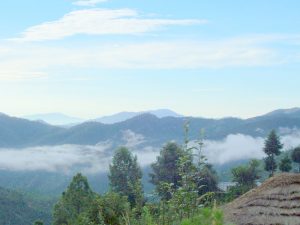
(245, 178)
(115, 208)
(270, 164)
(285, 164)
(246, 175)
(18, 210)
(207, 179)
(146, 217)
(76, 200)
(38, 222)
(272, 144)
(206, 216)
(296, 156)
(109, 209)
(166, 169)
(191, 191)
(272, 148)
(125, 177)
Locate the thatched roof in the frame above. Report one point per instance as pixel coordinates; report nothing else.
(276, 201)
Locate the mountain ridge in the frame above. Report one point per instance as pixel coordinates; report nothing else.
(16, 132)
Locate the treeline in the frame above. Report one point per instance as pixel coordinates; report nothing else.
(246, 177)
(185, 187)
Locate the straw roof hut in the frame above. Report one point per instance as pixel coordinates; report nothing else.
(276, 202)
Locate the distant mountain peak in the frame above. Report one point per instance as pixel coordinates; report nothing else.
(55, 118)
(290, 111)
(122, 116)
(3, 114)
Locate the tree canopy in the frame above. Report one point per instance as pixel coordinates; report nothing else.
(166, 169)
(74, 201)
(125, 176)
(272, 148)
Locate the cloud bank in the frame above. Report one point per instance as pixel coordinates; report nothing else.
(96, 159)
(33, 59)
(56, 159)
(99, 22)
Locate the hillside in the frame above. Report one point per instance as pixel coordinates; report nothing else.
(122, 116)
(17, 210)
(15, 132)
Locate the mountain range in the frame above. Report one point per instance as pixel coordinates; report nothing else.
(122, 116)
(60, 119)
(16, 132)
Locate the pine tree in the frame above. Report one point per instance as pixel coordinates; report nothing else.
(125, 177)
(272, 148)
(75, 200)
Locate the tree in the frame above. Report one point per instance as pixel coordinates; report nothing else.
(272, 148)
(75, 200)
(166, 169)
(208, 180)
(285, 164)
(125, 177)
(246, 175)
(270, 165)
(296, 156)
(109, 209)
(245, 178)
(115, 208)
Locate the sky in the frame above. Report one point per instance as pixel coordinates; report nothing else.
(88, 58)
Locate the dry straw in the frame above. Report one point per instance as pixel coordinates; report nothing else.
(276, 201)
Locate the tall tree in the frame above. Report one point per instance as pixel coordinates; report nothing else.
(74, 201)
(166, 169)
(272, 148)
(296, 156)
(285, 164)
(125, 177)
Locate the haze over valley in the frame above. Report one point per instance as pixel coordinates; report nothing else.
(34, 147)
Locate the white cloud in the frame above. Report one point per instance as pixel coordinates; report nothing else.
(36, 60)
(62, 158)
(132, 139)
(89, 3)
(233, 148)
(98, 22)
(66, 159)
(238, 147)
(94, 159)
(17, 75)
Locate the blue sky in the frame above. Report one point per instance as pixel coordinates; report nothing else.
(89, 58)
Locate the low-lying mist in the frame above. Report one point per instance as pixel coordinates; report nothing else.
(94, 159)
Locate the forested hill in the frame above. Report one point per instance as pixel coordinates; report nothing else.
(15, 132)
(16, 209)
